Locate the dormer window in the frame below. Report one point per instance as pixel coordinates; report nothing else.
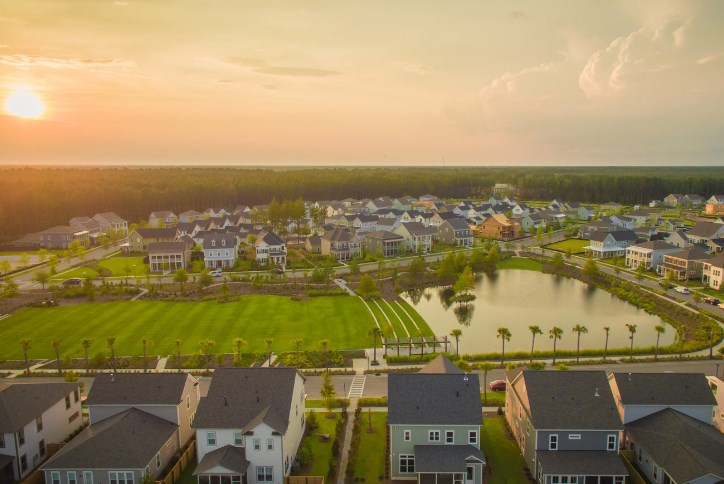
(213, 243)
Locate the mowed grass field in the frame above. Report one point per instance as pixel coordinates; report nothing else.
(576, 245)
(341, 319)
(117, 266)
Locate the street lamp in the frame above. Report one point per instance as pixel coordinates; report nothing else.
(134, 274)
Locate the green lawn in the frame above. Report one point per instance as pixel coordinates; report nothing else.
(576, 245)
(504, 458)
(494, 398)
(117, 266)
(385, 317)
(395, 314)
(343, 320)
(370, 465)
(421, 323)
(321, 450)
(520, 263)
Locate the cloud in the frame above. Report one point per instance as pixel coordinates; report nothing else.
(21, 61)
(120, 4)
(708, 59)
(412, 68)
(261, 67)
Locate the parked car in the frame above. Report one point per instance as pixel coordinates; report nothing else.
(73, 281)
(682, 289)
(216, 273)
(497, 385)
(711, 300)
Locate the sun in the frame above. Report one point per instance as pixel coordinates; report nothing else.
(25, 104)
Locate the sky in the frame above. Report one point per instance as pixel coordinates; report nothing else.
(379, 82)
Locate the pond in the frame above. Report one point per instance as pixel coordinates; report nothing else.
(517, 299)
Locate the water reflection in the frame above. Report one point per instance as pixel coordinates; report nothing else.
(464, 313)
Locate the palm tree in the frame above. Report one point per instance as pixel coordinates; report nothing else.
(238, 343)
(178, 353)
(486, 366)
(660, 329)
(296, 343)
(534, 330)
(87, 343)
(206, 345)
(456, 333)
(555, 334)
(111, 342)
(325, 344)
(374, 333)
(146, 342)
(632, 330)
(25, 343)
(269, 342)
(605, 347)
(504, 335)
(579, 329)
(56, 347)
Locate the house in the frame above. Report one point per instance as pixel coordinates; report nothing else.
(685, 264)
(597, 226)
(87, 224)
(33, 417)
(220, 250)
(168, 256)
(611, 207)
(313, 245)
(216, 212)
(418, 238)
(190, 216)
(693, 200)
(387, 244)
(438, 218)
(139, 239)
(387, 224)
(163, 218)
(250, 425)
(60, 237)
(648, 254)
(712, 272)
(434, 427)
(566, 425)
(341, 243)
(609, 244)
(674, 200)
(715, 205)
(111, 223)
(622, 222)
(717, 388)
(678, 238)
(586, 212)
(703, 232)
(716, 245)
(499, 226)
(643, 217)
(455, 232)
(270, 248)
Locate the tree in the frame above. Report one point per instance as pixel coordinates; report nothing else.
(238, 343)
(87, 343)
(696, 297)
(10, 289)
(146, 342)
(504, 335)
(456, 333)
(448, 269)
(24, 260)
(485, 366)
(5, 266)
(557, 261)
(660, 329)
(324, 344)
(269, 342)
(26, 345)
(180, 277)
(206, 345)
(178, 353)
(328, 392)
(56, 348)
(605, 346)
(417, 266)
(42, 254)
(640, 271)
(464, 284)
(632, 330)
(111, 344)
(41, 277)
(374, 333)
(89, 288)
(590, 268)
(367, 287)
(579, 329)
(534, 330)
(492, 259)
(706, 330)
(555, 334)
(296, 343)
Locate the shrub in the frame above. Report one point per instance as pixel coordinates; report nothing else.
(312, 422)
(100, 360)
(305, 453)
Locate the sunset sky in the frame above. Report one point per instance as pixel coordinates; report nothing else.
(575, 82)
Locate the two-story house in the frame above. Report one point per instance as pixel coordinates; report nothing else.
(269, 247)
(220, 250)
(566, 426)
(713, 272)
(456, 232)
(34, 416)
(685, 264)
(609, 244)
(384, 243)
(715, 205)
(61, 237)
(189, 216)
(86, 224)
(111, 223)
(168, 256)
(649, 254)
(703, 232)
(250, 425)
(434, 424)
(139, 239)
(418, 238)
(673, 200)
(498, 226)
(340, 243)
(162, 218)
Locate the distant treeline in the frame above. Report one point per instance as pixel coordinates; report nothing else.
(34, 198)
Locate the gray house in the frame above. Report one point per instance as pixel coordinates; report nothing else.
(385, 243)
(434, 427)
(566, 426)
(456, 232)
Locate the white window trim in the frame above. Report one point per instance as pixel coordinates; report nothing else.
(574, 436)
(430, 434)
(209, 436)
(609, 442)
(54, 477)
(551, 443)
(451, 432)
(407, 435)
(73, 475)
(474, 435)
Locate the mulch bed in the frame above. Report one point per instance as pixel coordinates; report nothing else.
(121, 363)
(16, 364)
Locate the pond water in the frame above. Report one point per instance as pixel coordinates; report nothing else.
(516, 299)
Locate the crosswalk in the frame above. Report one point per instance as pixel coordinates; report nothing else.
(357, 387)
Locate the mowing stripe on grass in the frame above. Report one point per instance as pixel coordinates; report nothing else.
(397, 328)
(419, 320)
(387, 305)
(417, 329)
(371, 312)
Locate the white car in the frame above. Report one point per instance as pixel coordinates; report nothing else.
(216, 273)
(682, 289)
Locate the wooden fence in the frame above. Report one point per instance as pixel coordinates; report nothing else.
(303, 480)
(628, 456)
(183, 462)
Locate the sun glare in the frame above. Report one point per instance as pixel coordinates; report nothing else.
(25, 104)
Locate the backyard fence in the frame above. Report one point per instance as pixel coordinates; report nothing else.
(188, 456)
(303, 480)
(628, 456)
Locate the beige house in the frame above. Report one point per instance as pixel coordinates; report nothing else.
(168, 256)
(139, 239)
(712, 273)
(684, 265)
(499, 226)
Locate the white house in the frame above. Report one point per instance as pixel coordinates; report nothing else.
(270, 247)
(650, 254)
(220, 250)
(110, 223)
(609, 244)
(250, 424)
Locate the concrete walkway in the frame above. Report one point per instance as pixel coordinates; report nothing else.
(344, 450)
(343, 285)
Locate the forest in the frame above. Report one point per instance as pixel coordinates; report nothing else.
(35, 198)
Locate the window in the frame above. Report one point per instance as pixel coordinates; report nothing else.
(433, 436)
(67, 401)
(407, 435)
(39, 423)
(264, 474)
(238, 439)
(76, 396)
(120, 477)
(188, 401)
(257, 444)
(574, 436)
(210, 438)
(55, 477)
(611, 442)
(640, 455)
(470, 473)
(74, 416)
(87, 477)
(407, 463)
(72, 478)
(41, 448)
(656, 473)
(21, 437)
(449, 436)
(553, 442)
(472, 437)
(23, 463)
(2, 441)
(158, 460)
(618, 480)
(269, 444)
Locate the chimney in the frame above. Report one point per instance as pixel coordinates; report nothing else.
(226, 401)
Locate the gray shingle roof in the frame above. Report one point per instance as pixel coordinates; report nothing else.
(567, 400)
(21, 403)
(424, 398)
(228, 457)
(446, 458)
(241, 398)
(705, 229)
(339, 235)
(617, 235)
(691, 253)
(668, 389)
(138, 389)
(655, 245)
(416, 228)
(128, 440)
(166, 247)
(685, 447)
(166, 233)
(441, 364)
(221, 241)
(111, 217)
(384, 235)
(458, 223)
(581, 462)
(270, 238)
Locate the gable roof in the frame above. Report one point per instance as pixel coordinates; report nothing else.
(339, 235)
(432, 399)
(220, 240)
(128, 440)
(654, 245)
(21, 403)
(441, 364)
(685, 447)
(617, 235)
(111, 217)
(138, 388)
(228, 457)
(162, 214)
(270, 238)
(242, 398)
(664, 389)
(417, 229)
(706, 229)
(457, 223)
(166, 247)
(691, 253)
(165, 233)
(384, 235)
(446, 458)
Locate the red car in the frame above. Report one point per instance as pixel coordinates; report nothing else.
(497, 385)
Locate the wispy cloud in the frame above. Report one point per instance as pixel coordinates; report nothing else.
(708, 59)
(21, 61)
(120, 4)
(262, 67)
